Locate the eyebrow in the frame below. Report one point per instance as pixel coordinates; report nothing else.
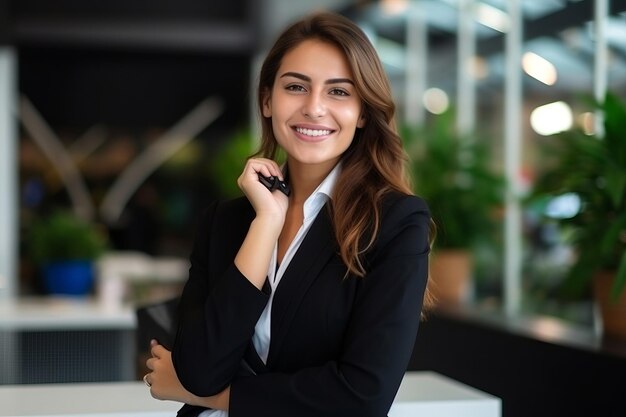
(308, 79)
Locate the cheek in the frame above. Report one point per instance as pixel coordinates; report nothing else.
(351, 116)
(281, 110)
(276, 129)
(281, 130)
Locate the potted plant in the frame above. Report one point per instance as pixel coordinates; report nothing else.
(64, 247)
(454, 174)
(592, 169)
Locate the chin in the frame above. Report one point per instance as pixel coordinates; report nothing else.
(315, 159)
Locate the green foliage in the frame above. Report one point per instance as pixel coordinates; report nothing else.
(594, 168)
(454, 175)
(229, 160)
(62, 237)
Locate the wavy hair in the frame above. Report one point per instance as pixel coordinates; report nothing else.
(376, 162)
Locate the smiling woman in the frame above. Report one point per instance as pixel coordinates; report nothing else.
(314, 106)
(307, 304)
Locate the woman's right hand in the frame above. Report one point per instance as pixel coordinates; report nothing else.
(256, 251)
(264, 201)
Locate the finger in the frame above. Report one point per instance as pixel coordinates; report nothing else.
(274, 169)
(266, 167)
(277, 171)
(150, 363)
(155, 395)
(153, 342)
(260, 167)
(154, 392)
(156, 351)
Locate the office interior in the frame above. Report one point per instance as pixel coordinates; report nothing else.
(133, 116)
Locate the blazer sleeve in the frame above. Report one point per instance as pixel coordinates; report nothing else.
(378, 342)
(208, 348)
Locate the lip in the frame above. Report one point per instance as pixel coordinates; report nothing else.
(307, 138)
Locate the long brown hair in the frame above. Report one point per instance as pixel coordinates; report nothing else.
(376, 162)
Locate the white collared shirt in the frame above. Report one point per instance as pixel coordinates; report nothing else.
(262, 330)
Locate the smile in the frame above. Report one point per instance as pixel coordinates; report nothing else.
(313, 132)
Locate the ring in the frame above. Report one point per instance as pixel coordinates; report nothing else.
(145, 380)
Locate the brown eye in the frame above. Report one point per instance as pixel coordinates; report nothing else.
(339, 92)
(296, 88)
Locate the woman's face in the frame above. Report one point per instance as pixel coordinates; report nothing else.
(314, 106)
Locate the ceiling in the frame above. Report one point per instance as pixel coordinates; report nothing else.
(560, 31)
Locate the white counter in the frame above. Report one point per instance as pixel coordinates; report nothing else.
(428, 394)
(424, 394)
(115, 399)
(59, 313)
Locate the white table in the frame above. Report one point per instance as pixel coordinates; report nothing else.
(424, 394)
(429, 394)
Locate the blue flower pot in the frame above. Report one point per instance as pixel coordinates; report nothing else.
(68, 277)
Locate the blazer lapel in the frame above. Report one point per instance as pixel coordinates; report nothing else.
(314, 252)
(252, 364)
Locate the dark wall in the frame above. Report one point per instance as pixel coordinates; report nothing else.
(531, 376)
(233, 10)
(131, 63)
(4, 22)
(82, 87)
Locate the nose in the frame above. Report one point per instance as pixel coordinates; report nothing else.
(313, 106)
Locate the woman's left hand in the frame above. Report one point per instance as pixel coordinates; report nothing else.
(163, 381)
(165, 385)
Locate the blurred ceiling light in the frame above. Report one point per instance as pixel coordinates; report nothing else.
(551, 118)
(492, 17)
(587, 123)
(435, 100)
(394, 7)
(539, 68)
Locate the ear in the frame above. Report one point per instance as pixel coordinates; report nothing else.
(361, 122)
(267, 104)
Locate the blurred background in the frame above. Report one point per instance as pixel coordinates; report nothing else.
(121, 120)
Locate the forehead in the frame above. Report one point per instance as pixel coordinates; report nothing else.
(314, 56)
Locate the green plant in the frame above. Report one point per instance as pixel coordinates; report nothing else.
(593, 169)
(64, 237)
(229, 160)
(454, 174)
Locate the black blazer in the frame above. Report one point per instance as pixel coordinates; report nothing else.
(339, 345)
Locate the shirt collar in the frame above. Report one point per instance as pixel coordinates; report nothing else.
(321, 194)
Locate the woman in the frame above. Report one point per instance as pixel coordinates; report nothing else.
(306, 304)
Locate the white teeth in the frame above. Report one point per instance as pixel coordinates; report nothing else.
(312, 132)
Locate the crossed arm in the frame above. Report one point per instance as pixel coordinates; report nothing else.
(165, 385)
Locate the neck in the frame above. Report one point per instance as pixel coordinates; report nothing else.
(305, 178)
